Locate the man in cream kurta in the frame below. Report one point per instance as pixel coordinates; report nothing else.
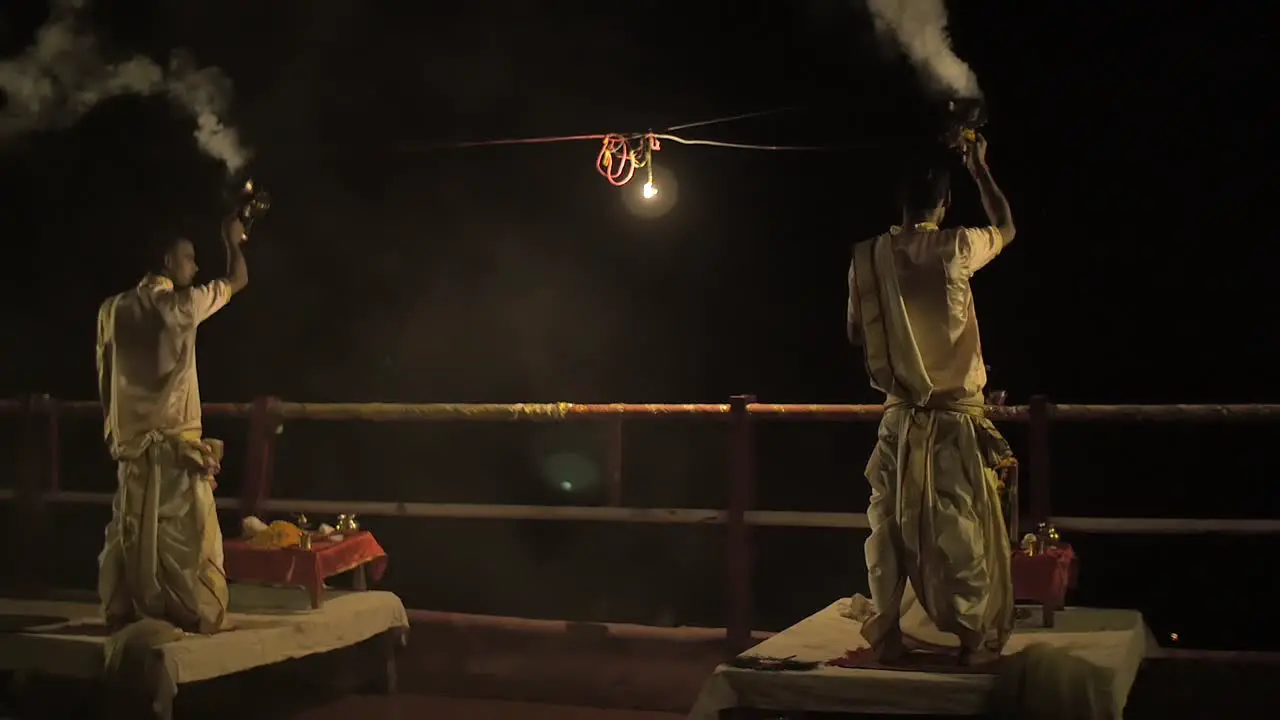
(935, 517)
(162, 557)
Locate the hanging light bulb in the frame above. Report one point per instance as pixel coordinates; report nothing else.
(649, 191)
(656, 191)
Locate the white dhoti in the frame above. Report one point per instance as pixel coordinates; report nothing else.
(937, 532)
(163, 552)
(936, 523)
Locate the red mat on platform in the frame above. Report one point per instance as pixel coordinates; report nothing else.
(864, 659)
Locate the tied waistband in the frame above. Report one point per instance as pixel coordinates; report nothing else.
(995, 449)
(976, 409)
(204, 453)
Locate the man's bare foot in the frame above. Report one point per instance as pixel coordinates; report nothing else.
(970, 657)
(892, 650)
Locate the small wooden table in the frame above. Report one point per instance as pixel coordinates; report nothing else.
(1045, 578)
(306, 568)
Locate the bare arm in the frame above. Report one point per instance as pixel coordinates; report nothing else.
(191, 306)
(993, 201)
(105, 319)
(855, 334)
(852, 323)
(234, 237)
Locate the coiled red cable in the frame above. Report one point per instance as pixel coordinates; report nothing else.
(619, 159)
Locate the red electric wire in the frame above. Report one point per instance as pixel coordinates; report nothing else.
(621, 155)
(519, 141)
(615, 161)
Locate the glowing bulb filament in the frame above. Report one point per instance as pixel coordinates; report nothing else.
(650, 190)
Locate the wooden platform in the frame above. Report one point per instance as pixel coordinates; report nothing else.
(411, 706)
(1114, 642)
(528, 666)
(68, 640)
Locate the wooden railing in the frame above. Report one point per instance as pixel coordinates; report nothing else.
(39, 478)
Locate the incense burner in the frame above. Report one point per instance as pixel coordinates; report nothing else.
(965, 116)
(252, 203)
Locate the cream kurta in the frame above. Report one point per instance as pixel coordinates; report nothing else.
(935, 518)
(162, 556)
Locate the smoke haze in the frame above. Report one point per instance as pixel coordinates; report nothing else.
(64, 75)
(920, 28)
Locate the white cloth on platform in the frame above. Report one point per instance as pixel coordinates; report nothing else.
(936, 524)
(162, 555)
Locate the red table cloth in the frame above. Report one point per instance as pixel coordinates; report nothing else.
(305, 568)
(1044, 578)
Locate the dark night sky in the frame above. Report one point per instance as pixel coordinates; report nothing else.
(1131, 146)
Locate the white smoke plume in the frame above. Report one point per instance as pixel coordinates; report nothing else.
(920, 28)
(63, 75)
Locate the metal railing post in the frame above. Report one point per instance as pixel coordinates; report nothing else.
(742, 481)
(54, 448)
(30, 526)
(264, 423)
(1041, 412)
(613, 461)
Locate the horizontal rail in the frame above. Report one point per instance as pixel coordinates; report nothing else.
(1164, 413)
(94, 408)
(1253, 657)
(497, 412)
(472, 511)
(860, 413)
(681, 516)
(427, 412)
(1166, 526)
(689, 634)
(685, 634)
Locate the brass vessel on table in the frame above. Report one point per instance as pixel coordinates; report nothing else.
(1030, 544)
(1048, 534)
